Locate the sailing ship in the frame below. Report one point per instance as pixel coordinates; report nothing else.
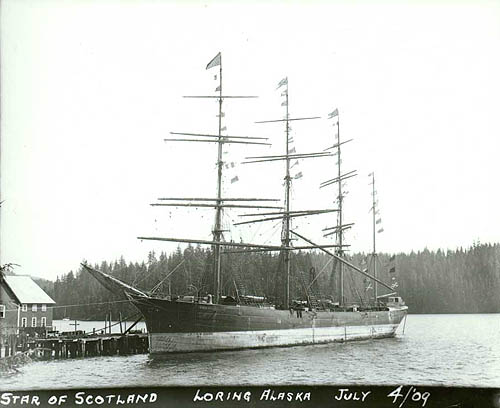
(213, 321)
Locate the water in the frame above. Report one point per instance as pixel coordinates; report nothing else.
(460, 350)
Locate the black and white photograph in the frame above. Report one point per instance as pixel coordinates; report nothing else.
(213, 203)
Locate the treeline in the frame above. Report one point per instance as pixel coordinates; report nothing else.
(460, 281)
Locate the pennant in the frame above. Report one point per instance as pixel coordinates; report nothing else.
(221, 115)
(378, 221)
(223, 129)
(234, 179)
(217, 89)
(380, 230)
(284, 103)
(215, 61)
(284, 81)
(292, 150)
(283, 93)
(371, 174)
(392, 270)
(294, 164)
(333, 114)
(298, 175)
(215, 77)
(290, 140)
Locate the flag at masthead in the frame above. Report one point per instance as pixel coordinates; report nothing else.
(215, 61)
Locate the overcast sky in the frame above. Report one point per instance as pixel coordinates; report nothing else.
(91, 88)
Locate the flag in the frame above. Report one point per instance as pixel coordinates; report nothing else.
(290, 140)
(215, 61)
(378, 221)
(380, 230)
(284, 103)
(284, 81)
(292, 150)
(221, 115)
(392, 270)
(298, 175)
(223, 129)
(217, 89)
(333, 114)
(234, 179)
(371, 174)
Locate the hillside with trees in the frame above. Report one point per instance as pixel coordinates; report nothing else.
(459, 281)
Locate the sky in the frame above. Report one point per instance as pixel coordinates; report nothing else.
(90, 90)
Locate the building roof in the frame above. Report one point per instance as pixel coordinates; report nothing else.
(26, 290)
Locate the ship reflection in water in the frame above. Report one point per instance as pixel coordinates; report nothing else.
(431, 352)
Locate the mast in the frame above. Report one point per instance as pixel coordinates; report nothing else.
(287, 215)
(286, 218)
(374, 253)
(217, 232)
(340, 251)
(339, 229)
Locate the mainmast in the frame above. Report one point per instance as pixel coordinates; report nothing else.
(287, 215)
(286, 219)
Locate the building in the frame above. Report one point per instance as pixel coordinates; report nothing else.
(24, 307)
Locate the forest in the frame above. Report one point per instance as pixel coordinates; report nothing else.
(459, 281)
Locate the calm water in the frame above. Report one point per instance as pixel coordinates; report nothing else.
(434, 350)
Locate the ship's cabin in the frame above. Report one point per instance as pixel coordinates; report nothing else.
(395, 301)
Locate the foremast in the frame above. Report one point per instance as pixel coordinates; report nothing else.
(219, 202)
(217, 232)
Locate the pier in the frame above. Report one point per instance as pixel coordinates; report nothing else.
(78, 344)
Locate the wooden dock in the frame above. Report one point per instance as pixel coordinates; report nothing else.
(81, 345)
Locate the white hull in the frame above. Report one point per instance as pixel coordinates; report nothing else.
(209, 341)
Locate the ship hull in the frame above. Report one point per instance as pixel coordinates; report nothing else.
(187, 327)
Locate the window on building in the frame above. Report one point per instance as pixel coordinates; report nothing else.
(24, 322)
(34, 307)
(24, 308)
(43, 321)
(2, 311)
(44, 308)
(33, 322)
